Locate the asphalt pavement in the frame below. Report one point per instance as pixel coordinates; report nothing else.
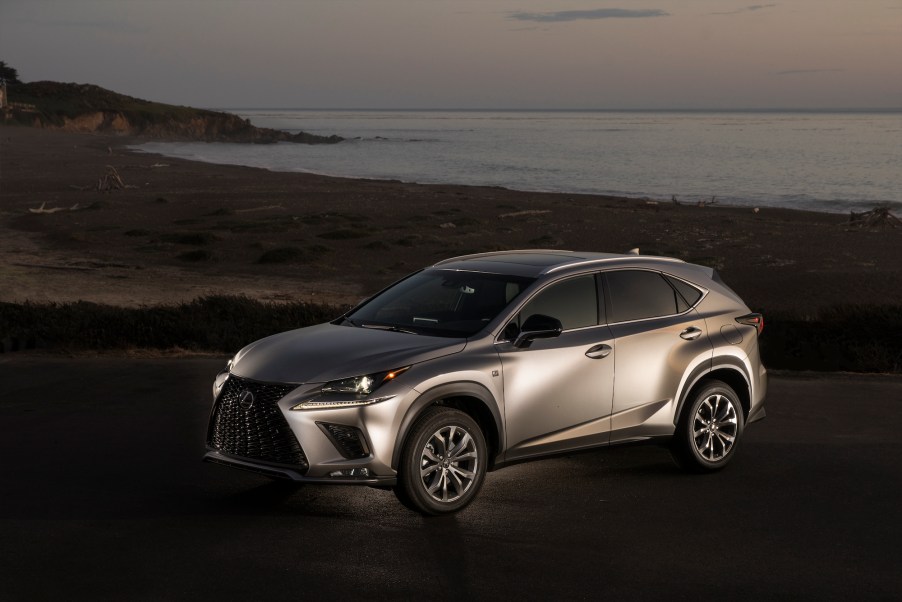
(103, 497)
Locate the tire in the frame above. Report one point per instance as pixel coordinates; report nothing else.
(709, 429)
(432, 481)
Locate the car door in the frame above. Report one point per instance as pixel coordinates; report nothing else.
(659, 339)
(558, 391)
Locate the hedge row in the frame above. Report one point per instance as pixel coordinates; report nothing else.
(848, 338)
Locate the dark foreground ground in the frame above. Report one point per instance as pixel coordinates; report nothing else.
(103, 496)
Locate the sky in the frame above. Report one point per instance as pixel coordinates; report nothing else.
(467, 54)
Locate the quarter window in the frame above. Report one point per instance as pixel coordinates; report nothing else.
(686, 291)
(638, 294)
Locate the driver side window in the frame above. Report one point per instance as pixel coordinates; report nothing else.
(574, 302)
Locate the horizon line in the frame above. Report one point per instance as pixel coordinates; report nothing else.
(577, 110)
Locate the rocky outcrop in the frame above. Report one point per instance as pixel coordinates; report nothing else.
(212, 127)
(88, 108)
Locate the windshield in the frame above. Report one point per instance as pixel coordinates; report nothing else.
(447, 303)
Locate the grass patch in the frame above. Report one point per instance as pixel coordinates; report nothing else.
(462, 222)
(282, 255)
(293, 254)
(275, 223)
(377, 245)
(222, 211)
(198, 239)
(196, 255)
(409, 241)
(546, 240)
(344, 234)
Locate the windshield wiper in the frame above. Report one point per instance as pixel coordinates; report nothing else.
(388, 327)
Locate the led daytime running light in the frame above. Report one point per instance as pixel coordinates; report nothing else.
(330, 404)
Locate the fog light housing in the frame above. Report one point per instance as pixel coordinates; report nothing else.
(348, 440)
(351, 473)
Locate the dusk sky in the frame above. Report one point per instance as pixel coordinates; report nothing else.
(629, 54)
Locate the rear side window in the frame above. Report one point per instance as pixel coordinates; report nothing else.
(637, 294)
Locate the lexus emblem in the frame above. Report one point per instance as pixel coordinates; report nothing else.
(246, 399)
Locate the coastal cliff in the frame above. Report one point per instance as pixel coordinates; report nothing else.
(92, 109)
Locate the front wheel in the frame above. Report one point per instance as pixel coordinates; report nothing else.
(443, 462)
(709, 429)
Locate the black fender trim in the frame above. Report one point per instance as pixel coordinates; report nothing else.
(428, 398)
(700, 372)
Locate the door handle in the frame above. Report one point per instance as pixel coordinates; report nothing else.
(599, 351)
(691, 333)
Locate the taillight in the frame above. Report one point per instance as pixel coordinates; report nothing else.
(756, 320)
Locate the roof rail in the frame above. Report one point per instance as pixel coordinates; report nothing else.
(493, 253)
(555, 268)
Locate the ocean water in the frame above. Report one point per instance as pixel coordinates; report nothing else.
(822, 161)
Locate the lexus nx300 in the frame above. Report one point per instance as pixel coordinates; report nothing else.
(484, 360)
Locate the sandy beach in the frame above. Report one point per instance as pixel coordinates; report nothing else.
(182, 229)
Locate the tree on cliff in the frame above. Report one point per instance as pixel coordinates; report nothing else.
(9, 74)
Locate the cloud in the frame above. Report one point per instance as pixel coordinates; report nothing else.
(588, 15)
(746, 9)
(807, 71)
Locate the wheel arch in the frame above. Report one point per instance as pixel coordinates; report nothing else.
(728, 370)
(469, 397)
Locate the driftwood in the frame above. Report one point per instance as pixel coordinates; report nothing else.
(700, 203)
(110, 180)
(524, 212)
(42, 209)
(267, 207)
(877, 217)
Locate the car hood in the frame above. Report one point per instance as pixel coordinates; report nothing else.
(328, 352)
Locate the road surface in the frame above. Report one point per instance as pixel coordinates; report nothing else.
(103, 496)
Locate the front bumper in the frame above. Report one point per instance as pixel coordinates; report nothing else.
(252, 427)
(284, 472)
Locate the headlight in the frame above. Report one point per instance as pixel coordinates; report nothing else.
(221, 378)
(362, 385)
(352, 391)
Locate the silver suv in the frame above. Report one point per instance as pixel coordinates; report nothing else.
(484, 360)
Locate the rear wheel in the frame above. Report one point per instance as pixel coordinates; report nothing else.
(709, 428)
(443, 462)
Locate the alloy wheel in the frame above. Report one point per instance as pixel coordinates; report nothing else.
(449, 463)
(715, 427)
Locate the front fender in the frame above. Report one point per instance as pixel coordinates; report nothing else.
(445, 391)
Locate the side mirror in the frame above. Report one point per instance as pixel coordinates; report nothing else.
(538, 326)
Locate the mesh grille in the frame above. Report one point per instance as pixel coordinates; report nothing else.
(255, 430)
(348, 439)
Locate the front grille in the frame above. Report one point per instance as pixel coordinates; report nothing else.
(347, 439)
(254, 429)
